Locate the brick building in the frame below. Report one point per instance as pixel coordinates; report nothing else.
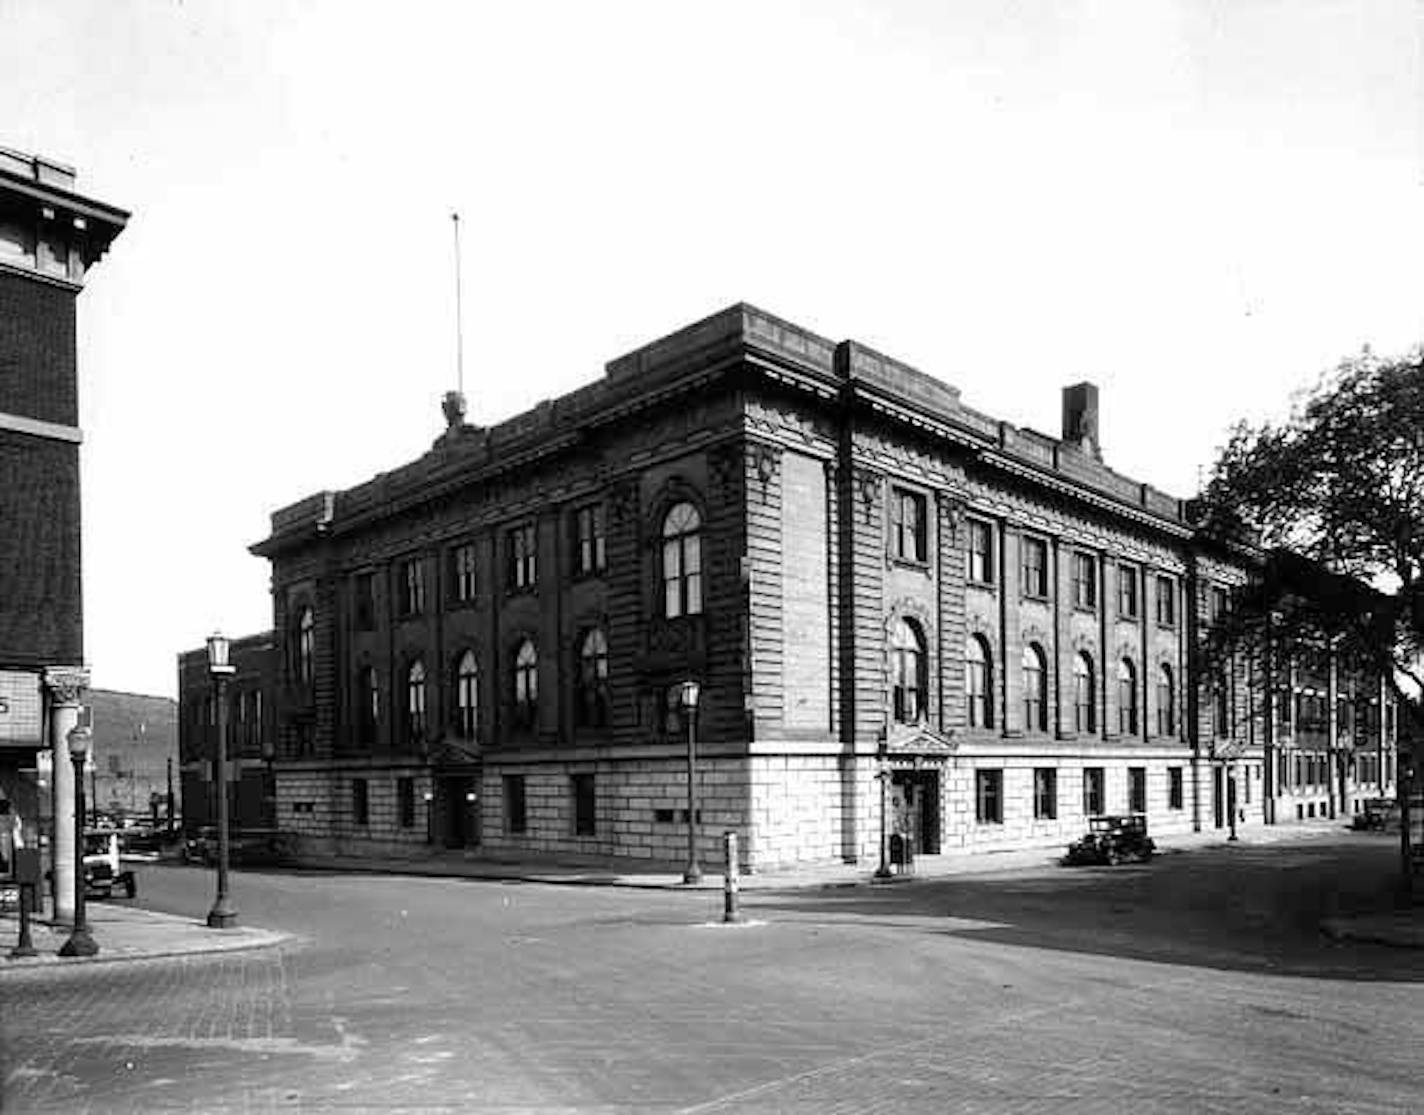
(252, 735)
(49, 238)
(135, 748)
(876, 586)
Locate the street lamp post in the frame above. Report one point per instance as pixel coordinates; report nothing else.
(223, 914)
(81, 942)
(688, 699)
(882, 775)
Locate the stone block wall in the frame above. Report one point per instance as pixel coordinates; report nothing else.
(640, 809)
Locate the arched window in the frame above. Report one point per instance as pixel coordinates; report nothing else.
(907, 671)
(368, 693)
(526, 685)
(979, 682)
(1085, 708)
(592, 704)
(306, 635)
(415, 702)
(682, 561)
(1166, 702)
(1035, 689)
(467, 695)
(1126, 698)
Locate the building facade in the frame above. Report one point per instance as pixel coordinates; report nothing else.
(251, 695)
(49, 238)
(132, 770)
(904, 616)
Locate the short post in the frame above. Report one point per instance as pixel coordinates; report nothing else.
(730, 913)
(1231, 799)
(27, 876)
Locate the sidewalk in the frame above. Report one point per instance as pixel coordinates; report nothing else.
(126, 933)
(569, 872)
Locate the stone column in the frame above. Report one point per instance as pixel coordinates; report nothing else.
(66, 686)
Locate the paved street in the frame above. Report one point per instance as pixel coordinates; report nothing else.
(1198, 983)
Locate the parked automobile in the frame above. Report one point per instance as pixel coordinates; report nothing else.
(1111, 840)
(1376, 815)
(103, 873)
(249, 846)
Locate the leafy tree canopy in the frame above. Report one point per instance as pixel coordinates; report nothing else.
(1340, 483)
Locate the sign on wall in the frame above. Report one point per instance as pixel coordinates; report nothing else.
(20, 715)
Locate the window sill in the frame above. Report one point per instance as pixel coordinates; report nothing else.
(919, 565)
(1086, 609)
(1036, 597)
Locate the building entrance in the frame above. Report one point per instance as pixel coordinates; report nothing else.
(459, 812)
(914, 809)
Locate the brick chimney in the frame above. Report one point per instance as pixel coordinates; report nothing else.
(1080, 418)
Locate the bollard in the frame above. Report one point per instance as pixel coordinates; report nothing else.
(730, 914)
(25, 946)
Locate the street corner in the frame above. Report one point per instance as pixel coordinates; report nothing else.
(125, 934)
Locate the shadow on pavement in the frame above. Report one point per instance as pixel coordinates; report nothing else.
(1239, 909)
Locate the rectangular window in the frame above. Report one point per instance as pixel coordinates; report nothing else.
(462, 573)
(1137, 789)
(1127, 591)
(1217, 604)
(585, 803)
(907, 525)
(989, 797)
(405, 802)
(360, 801)
(412, 575)
(1035, 567)
(519, 545)
(515, 820)
(1085, 581)
(980, 537)
(364, 591)
(1166, 602)
(592, 547)
(1174, 787)
(1045, 794)
(1093, 791)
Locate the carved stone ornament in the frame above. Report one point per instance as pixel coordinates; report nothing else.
(723, 465)
(66, 684)
(625, 501)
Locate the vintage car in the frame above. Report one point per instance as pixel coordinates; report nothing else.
(1111, 840)
(245, 846)
(103, 873)
(1377, 815)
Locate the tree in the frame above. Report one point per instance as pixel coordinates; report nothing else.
(1332, 500)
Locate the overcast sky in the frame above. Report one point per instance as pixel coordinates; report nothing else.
(1199, 206)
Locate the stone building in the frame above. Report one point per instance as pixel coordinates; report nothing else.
(905, 617)
(49, 238)
(251, 694)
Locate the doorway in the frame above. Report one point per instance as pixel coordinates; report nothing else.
(914, 809)
(459, 802)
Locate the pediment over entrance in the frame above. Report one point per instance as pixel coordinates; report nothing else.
(917, 745)
(1228, 750)
(449, 753)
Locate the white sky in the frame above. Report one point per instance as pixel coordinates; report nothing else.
(1200, 206)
